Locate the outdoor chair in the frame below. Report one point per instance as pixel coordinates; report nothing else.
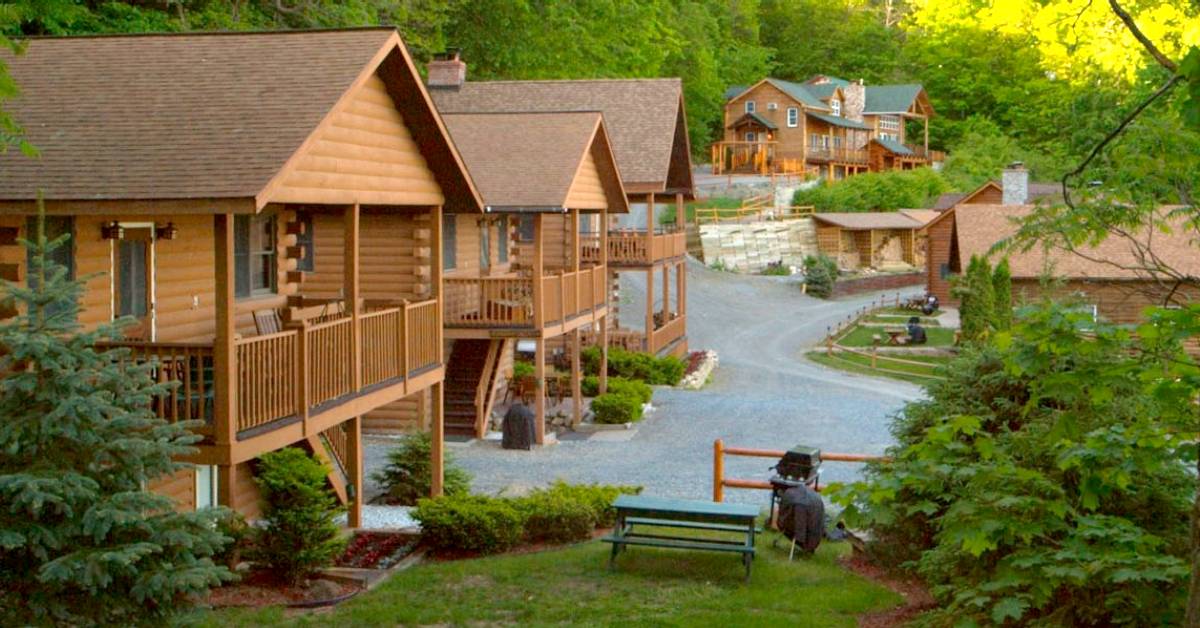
(267, 322)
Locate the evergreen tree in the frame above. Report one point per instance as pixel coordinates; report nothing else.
(976, 304)
(82, 542)
(1002, 295)
(301, 534)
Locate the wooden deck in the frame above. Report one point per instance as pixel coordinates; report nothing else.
(522, 305)
(635, 248)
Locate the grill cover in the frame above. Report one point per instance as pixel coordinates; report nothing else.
(518, 427)
(802, 517)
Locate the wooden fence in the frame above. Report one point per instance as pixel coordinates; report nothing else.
(720, 482)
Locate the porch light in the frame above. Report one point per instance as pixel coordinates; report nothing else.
(112, 231)
(166, 232)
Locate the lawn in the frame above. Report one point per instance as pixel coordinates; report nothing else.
(862, 336)
(574, 586)
(854, 363)
(901, 319)
(667, 216)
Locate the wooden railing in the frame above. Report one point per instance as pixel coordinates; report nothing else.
(634, 247)
(383, 346)
(424, 333)
(841, 154)
(668, 333)
(330, 367)
(509, 301)
(190, 366)
(626, 339)
(266, 378)
(339, 444)
(718, 215)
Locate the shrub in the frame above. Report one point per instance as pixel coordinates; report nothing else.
(590, 386)
(597, 497)
(776, 269)
(875, 191)
(1002, 295)
(664, 371)
(554, 517)
(977, 309)
(522, 370)
(631, 387)
(613, 408)
(232, 525)
(471, 523)
(820, 273)
(301, 535)
(408, 475)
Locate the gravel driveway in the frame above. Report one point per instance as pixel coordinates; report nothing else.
(764, 394)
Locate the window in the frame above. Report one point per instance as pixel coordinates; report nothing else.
(889, 123)
(206, 487)
(836, 105)
(749, 136)
(525, 228)
(253, 255)
(749, 106)
(64, 255)
(305, 242)
(793, 117)
(944, 271)
(449, 242)
(837, 142)
(502, 248)
(771, 106)
(485, 244)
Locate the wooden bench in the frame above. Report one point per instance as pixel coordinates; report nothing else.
(639, 511)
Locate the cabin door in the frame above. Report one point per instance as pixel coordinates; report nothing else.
(134, 281)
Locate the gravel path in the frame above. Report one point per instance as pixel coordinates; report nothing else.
(764, 394)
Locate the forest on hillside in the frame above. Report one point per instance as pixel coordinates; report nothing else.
(1037, 80)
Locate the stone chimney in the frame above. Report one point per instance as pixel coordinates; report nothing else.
(447, 70)
(856, 100)
(1014, 183)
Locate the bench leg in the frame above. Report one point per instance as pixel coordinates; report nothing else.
(746, 560)
(612, 558)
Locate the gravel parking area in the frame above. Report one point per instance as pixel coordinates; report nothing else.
(764, 394)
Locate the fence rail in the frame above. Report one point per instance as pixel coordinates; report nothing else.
(720, 482)
(267, 376)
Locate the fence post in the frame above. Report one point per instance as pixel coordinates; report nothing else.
(874, 356)
(718, 470)
(829, 346)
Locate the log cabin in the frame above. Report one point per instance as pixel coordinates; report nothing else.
(825, 127)
(882, 241)
(1105, 278)
(266, 207)
(517, 272)
(647, 123)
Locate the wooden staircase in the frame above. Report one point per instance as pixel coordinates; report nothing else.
(470, 386)
(330, 447)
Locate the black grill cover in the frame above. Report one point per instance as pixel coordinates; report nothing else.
(802, 517)
(518, 427)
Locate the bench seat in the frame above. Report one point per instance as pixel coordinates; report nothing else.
(698, 544)
(695, 525)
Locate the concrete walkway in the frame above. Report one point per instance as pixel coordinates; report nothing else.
(764, 394)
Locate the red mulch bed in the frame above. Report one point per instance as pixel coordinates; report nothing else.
(917, 598)
(375, 550)
(693, 362)
(259, 588)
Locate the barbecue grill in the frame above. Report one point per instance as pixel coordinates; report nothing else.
(800, 465)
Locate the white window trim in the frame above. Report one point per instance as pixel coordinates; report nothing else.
(210, 500)
(749, 106)
(793, 117)
(836, 105)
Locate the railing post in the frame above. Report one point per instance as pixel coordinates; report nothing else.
(404, 343)
(350, 261)
(225, 408)
(874, 356)
(562, 296)
(718, 471)
(302, 383)
(537, 267)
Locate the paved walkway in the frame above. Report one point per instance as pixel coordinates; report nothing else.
(764, 394)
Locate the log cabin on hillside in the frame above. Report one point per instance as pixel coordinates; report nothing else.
(554, 173)
(1106, 278)
(267, 206)
(825, 127)
(647, 124)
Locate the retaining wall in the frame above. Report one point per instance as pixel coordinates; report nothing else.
(876, 283)
(750, 246)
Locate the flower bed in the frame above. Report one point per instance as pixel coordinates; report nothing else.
(700, 365)
(376, 550)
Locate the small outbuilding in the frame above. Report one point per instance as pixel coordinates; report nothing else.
(885, 241)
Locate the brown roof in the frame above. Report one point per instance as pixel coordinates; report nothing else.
(922, 216)
(859, 221)
(979, 227)
(195, 116)
(527, 161)
(947, 200)
(644, 117)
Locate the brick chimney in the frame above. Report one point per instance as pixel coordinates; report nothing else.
(856, 100)
(447, 70)
(1014, 183)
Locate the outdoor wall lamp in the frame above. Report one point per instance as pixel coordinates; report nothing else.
(112, 231)
(166, 232)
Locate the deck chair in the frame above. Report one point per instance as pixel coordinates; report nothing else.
(267, 322)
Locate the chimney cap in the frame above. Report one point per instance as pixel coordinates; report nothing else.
(450, 54)
(1016, 165)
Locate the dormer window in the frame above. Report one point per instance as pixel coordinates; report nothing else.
(837, 106)
(749, 106)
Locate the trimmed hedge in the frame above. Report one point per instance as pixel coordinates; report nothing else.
(631, 387)
(613, 408)
(664, 371)
(560, 513)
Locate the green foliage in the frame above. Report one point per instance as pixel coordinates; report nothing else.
(1002, 296)
(232, 525)
(82, 542)
(875, 191)
(820, 273)
(408, 475)
(615, 408)
(977, 309)
(598, 498)
(300, 535)
(982, 150)
(521, 370)
(590, 386)
(776, 270)
(1044, 482)
(632, 388)
(656, 371)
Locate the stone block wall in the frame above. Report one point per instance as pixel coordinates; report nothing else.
(750, 247)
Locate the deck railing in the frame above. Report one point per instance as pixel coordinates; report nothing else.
(840, 154)
(330, 365)
(190, 366)
(634, 247)
(267, 378)
(668, 333)
(510, 301)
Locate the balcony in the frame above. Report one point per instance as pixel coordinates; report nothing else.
(837, 154)
(549, 304)
(304, 378)
(634, 247)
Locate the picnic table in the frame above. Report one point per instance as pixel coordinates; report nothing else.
(895, 334)
(640, 511)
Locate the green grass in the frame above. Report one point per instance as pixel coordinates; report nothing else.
(862, 336)
(573, 586)
(854, 363)
(667, 216)
(896, 319)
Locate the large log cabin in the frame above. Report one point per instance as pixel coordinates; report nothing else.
(267, 207)
(647, 124)
(825, 127)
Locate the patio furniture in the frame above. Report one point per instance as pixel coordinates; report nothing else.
(635, 512)
(267, 322)
(895, 336)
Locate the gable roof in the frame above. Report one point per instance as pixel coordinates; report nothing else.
(946, 200)
(529, 161)
(839, 121)
(753, 117)
(645, 119)
(923, 216)
(863, 221)
(979, 227)
(200, 116)
(796, 91)
(892, 146)
(890, 98)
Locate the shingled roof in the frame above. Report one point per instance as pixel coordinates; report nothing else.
(645, 119)
(979, 227)
(864, 221)
(890, 98)
(529, 161)
(197, 116)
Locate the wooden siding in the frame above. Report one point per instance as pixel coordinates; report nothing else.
(394, 256)
(180, 487)
(987, 195)
(587, 191)
(1120, 302)
(791, 139)
(939, 239)
(363, 153)
(247, 498)
(409, 414)
(829, 240)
